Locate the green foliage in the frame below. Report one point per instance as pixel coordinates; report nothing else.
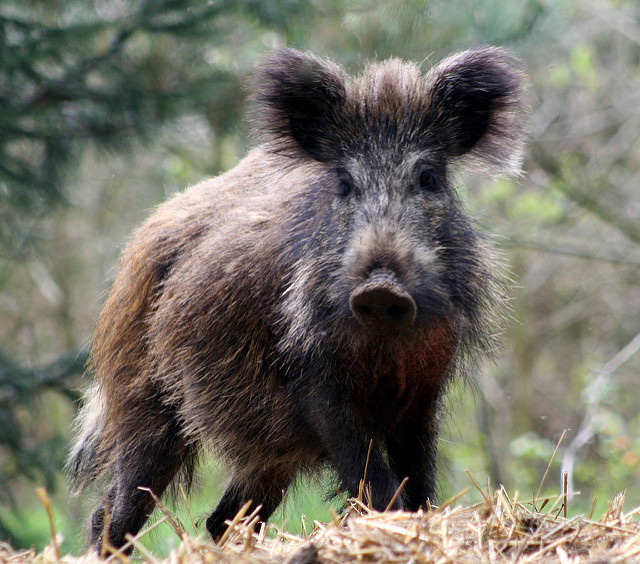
(522, 204)
(67, 83)
(19, 387)
(38, 459)
(73, 74)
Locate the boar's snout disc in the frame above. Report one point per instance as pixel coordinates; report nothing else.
(382, 305)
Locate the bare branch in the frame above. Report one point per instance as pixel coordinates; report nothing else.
(559, 249)
(594, 393)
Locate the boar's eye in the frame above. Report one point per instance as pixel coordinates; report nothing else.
(428, 180)
(345, 187)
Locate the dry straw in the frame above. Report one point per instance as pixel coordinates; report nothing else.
(500, 529)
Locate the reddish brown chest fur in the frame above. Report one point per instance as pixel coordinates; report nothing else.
(394, 383)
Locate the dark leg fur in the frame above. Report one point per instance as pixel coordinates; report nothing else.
(380, 479)
(412, 454)
(152, 464)
(346, 445)
(266, 490)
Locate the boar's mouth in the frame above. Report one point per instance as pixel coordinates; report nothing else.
(382, 305)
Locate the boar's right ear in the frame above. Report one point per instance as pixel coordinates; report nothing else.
(298, 101)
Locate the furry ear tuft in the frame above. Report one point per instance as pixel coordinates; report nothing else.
(298, 102)
(477, 109)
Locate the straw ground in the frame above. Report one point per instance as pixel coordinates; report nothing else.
(501, 529)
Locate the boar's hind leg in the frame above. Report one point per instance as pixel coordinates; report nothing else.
(150, 463)
(266, 489)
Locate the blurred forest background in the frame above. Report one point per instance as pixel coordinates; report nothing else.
(109, 106)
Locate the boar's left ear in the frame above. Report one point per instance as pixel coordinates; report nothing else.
(477, 110)
(298, 103)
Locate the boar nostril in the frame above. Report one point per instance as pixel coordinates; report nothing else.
(396, 311)
(362, 310)
(383, 306)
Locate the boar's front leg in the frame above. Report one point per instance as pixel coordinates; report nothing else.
(412, 449)
(346, 444)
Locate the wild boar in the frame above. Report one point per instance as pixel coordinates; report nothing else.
(317, 297)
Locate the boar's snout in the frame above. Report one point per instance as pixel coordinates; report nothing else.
(382, 305)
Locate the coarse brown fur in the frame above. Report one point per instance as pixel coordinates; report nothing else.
(241, 316)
